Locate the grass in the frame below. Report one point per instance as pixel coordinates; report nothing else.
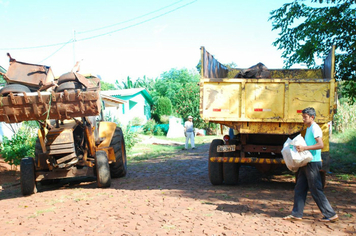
(342, 153)
(142, 151)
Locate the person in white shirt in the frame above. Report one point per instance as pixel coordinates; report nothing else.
(309, 178)
(189, 133)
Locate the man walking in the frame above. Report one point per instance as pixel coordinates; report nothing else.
(189, 133)
(308, 177)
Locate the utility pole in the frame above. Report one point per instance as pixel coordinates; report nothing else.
(74, 40)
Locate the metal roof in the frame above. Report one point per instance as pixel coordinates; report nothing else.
(129, 92)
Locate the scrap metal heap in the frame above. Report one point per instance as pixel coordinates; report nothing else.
(32, 93)
(71, 141)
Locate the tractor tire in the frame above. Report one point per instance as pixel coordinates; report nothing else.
(66, 78)
(14, 88)
(71, 85)
(38, 149)
(215, 168)
(28, 176)
(118, 168)
(102, 170)
(231, 170)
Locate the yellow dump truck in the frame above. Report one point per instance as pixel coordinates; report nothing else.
(263, 112)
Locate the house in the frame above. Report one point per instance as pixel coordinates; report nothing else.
(136, 106)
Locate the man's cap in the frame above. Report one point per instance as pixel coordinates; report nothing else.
(190, 117)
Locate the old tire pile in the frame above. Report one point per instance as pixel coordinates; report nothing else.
(68, 81)
(14, 88)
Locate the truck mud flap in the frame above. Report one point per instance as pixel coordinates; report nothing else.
(248, 160)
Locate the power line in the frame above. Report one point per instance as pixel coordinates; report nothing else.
(71, 40)
(110, 32)
(135, 18)
(41, 46)
(139, 23)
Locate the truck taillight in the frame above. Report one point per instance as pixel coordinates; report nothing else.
(226, 138)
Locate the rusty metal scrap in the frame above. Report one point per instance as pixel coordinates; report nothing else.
(36, 77)
(49, 105)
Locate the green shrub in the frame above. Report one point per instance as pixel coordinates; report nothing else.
(164, 106)
(158, 131)
(164, 119)
(130, 137)
(22, 144)
(137, 121)
(345, 117)
(149, 127)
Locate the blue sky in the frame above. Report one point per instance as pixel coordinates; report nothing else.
(148, 37)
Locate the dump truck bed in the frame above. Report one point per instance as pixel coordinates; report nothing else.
(266, 105)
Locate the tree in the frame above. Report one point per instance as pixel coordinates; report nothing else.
(145, 82)
(308, 33)
(164, 106)
(105, 86)
(188, 103)
(125, 85)
(2, 71)
(172, 82)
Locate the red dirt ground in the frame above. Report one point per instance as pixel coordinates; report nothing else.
(170, 196)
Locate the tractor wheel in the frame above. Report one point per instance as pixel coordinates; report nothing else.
(231, 170)
(38, 149)
(71, 85)
(14, 88)
(27, 175)
(215, 168)
(102, 170)
(118, 168)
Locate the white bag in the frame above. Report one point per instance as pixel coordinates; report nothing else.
(292, 157)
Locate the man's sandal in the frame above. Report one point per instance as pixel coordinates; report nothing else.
(291, 217)
(331, 219)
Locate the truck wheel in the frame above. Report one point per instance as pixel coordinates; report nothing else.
(215, 168)
(102, 170)
(71, 85)
(14, 88)
(231, 173)
(27, 175)
(231, 170)
(118, 168)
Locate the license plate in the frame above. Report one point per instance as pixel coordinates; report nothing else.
(226, 148)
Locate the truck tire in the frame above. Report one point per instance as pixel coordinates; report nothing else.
(118, 168)
(71, 85)
(102, 170)
(215, 168)
(231, 170)
(14, 88)
(27, 175)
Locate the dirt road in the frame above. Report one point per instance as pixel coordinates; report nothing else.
(171, 196)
